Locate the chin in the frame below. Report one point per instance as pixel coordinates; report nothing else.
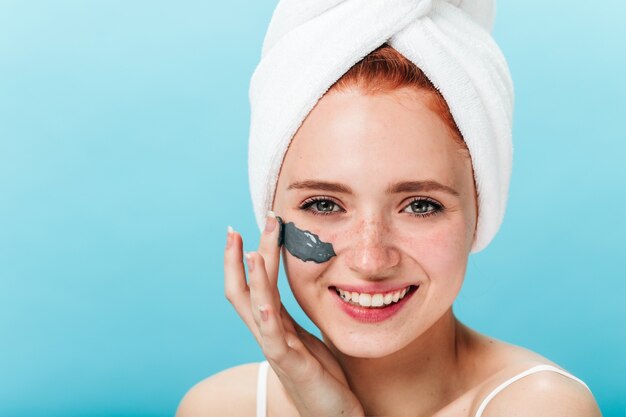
(361, 345)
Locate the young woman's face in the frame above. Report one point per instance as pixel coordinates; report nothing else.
(381, 179)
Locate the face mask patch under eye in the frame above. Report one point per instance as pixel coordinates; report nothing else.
(303, 244)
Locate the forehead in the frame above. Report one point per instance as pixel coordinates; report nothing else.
(381, 138)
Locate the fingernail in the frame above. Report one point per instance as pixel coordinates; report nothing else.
(263, 311)
(270, 222)
(280, 231)
(250, 262)
(229, 237)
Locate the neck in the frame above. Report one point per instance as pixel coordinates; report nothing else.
(417, 380)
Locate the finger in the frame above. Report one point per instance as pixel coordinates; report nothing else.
(311, 344)
(235, 287)
(302, 336)
(277, 343)
(286, 352)
(297, 337)
(268, 247)
(290, 324)
(261, 291)
(292, 327)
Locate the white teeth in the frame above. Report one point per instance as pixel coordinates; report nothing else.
(377, 300)
(372, 300)
(388, 299)
(365, 300)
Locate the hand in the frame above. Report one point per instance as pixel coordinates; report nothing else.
(307, 369)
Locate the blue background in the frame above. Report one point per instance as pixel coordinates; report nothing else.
(123, 149)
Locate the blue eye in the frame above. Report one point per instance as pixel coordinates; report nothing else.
(320, 206)
(423, 207)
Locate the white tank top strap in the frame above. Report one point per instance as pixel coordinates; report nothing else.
(537, 368)
(261, 389)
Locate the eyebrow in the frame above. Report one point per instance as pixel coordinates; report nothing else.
(400, 187)
(417, 186)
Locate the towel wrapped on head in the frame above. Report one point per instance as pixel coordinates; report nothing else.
(310, 44)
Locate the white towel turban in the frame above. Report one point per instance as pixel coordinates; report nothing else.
(310, 44)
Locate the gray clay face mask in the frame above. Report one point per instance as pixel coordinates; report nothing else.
(303, 244)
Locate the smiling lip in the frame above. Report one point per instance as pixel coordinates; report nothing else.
(369, 314)
(372, 288)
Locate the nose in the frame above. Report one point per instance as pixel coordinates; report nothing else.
(372, 253)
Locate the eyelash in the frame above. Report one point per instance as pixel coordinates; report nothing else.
(438, 208)
(308, 203)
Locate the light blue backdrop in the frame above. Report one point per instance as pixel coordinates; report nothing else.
(123, 130)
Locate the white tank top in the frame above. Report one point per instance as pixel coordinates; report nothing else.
(261, 402)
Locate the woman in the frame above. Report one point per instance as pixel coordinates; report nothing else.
(383, 191)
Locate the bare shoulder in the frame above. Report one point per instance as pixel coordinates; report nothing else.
(231, 392)
(543, 393)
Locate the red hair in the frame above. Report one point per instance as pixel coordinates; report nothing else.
(385, 70)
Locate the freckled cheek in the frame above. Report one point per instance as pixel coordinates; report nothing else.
(439, 248)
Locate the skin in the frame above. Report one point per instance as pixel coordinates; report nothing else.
(420, 362)
(378, 236)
